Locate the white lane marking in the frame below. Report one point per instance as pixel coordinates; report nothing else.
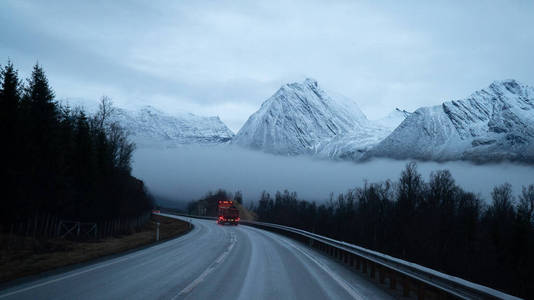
(347, 287)
(210, 269)
(100, 266)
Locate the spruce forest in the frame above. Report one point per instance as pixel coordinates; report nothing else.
(59, 160)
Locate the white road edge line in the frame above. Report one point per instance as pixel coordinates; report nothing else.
(67, 276)
(210, 269)
(347, 287)
(100, 266)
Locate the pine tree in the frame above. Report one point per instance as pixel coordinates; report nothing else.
(41, 99)
(9, 103)
(9, 97)
(43, 149)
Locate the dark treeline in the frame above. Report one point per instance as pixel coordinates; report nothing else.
(59, 160)
(435, 224)
(207, 205)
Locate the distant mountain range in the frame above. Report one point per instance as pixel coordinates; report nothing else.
(150, 127)
(493, 124)
(153, 128)
(302, 118)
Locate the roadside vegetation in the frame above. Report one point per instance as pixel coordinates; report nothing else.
(436, 224)
(67, 193)
(58, 160)
(28, 256)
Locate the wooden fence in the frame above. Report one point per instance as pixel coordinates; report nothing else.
(49, 226)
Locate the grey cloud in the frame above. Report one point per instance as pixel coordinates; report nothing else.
(211, 56)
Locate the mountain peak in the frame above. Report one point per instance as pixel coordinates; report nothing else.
(310, 82)
(505, 82)
(507, 85)
(299, 117)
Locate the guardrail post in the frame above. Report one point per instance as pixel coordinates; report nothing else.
(392, 281)
(420, 292)
(381, 275)
(358, 263)
(372, 273)
(157, 231)
(364, 266)
(405, 287)
(441, 295)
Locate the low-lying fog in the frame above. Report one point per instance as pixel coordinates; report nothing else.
(187, 173)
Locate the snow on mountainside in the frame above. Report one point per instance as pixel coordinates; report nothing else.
(353, 145)
(301, 118)
(150, 127)
(495, 123)
(393, 119)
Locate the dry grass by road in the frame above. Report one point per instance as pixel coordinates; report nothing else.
(244, 213)
(23, 256)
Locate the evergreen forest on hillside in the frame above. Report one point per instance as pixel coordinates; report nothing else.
(61, 161)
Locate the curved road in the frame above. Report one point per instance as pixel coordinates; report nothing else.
(212, 261)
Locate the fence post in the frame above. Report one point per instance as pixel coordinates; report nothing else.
(28, 222)
(10, 236)
(58, 231)
(36, 217)
(45, 228)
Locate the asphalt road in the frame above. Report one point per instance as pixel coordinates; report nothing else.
(210, 262)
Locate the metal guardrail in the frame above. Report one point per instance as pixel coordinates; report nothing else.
(413, 279)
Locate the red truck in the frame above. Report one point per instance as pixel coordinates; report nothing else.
(227, 213)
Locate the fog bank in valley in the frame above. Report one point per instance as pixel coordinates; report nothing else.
(186, 173)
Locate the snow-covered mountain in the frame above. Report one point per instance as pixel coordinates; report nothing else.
(301, 118)
(495, 123)
(149, 127)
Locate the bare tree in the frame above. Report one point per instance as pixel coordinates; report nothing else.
(121, 148)
(526, 202)
(105, 111)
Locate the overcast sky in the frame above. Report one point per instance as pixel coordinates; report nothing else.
(226, 57)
